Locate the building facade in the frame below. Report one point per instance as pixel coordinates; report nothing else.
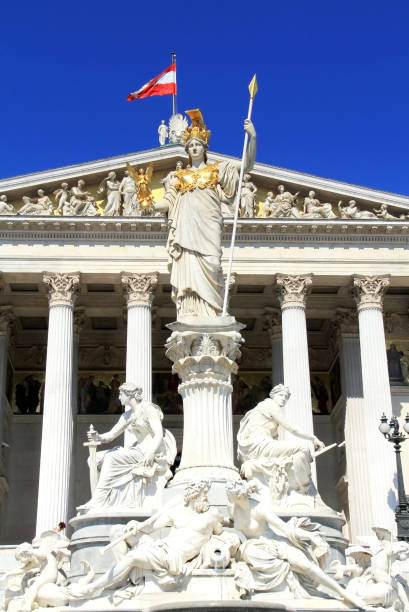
(320, 279)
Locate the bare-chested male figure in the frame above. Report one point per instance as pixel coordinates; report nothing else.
(192, 525)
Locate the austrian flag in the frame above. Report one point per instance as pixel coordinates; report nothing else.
(163, 84)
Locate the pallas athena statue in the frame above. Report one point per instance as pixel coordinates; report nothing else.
(193, 200)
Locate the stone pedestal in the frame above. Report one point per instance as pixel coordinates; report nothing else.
(372, 447)
(204, 354)
(139, 291)
(296, 366)
(56, 442)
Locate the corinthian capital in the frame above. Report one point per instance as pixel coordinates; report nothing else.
(62, 288)
(294, 289)
(272, 321)
(345, 322)
(369, 290)
(139, 289)
(79, 319)
(6, 319)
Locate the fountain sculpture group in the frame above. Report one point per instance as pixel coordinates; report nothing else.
(210, 532)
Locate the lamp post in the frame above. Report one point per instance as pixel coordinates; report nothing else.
(392, 434)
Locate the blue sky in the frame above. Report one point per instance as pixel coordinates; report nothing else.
(333, 81)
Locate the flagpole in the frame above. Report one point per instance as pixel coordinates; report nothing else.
(253, 91)
(173, 56)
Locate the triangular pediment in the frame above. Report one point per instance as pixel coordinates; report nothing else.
(266, 178)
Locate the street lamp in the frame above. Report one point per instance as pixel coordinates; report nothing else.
(392, 434)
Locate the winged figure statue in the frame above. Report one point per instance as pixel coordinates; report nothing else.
(142, 179)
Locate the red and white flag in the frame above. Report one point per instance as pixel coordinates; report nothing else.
(163, 84)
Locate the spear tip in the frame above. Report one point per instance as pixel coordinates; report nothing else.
(253, 87)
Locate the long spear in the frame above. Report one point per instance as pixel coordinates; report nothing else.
(253, 90)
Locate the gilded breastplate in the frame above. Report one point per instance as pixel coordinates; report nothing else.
(205, 178)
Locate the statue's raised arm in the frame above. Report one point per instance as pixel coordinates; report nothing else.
(250, 155)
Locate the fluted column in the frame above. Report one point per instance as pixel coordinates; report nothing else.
(351, 382)
(296, 365)
(377, 399)
(6, 322)
(56, 441)
(204, 359)
(139, 291)
(79, 320)
(272, 324)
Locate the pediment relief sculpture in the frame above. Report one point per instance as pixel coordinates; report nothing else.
(135, 191)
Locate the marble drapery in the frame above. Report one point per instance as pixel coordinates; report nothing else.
(194, 243)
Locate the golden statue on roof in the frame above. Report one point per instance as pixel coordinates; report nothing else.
(143, 179)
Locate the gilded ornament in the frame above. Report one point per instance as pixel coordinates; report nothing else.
(189, 179)
(142, 179)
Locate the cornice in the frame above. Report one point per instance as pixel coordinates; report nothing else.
(165, 156)
(93, 169)
(154, 230)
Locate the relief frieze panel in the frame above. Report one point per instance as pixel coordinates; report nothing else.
(132, 191)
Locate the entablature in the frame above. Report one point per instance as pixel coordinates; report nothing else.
(154, 230)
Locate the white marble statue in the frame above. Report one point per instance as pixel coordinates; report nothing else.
(351, 211)
(5, 208)
(133, 477)
(171, 558)
(163, 133)
(268, 205)
(247, 197)
(383, 213)
(167, 180)
(39, 206)
(278, 555)
(285, 204)
(110, 185)
(193, 201)
(314, 209)
(282, 467)
(372, 571)
(177, 126)
(82, 202)
(44, 201)
(61, 195)
(40, 579)
(128, 191)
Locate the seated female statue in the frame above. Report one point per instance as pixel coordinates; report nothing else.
(281, 466)
(133, 476)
